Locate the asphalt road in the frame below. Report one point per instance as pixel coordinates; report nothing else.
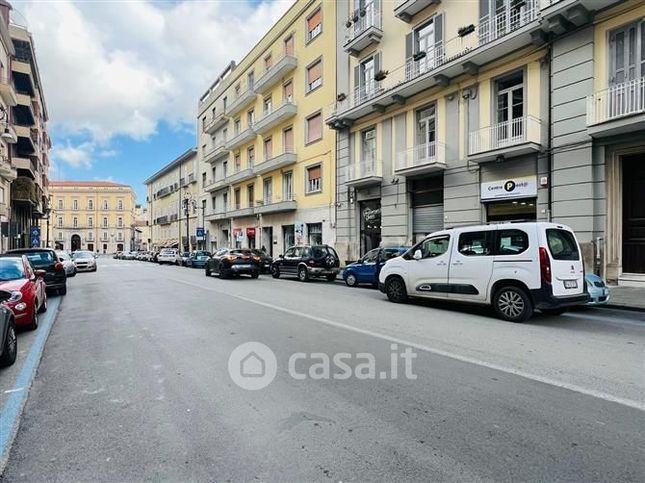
(134, 385)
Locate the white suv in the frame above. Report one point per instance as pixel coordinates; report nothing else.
(515, 267)
(168, 255)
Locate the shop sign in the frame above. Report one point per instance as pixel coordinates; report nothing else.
(523, 187)
(250, 232)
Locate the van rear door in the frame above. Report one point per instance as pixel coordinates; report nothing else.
(567, 272)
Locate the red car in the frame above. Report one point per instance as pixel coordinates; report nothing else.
(27, 289)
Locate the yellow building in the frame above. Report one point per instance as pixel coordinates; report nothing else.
(266, 159)
(91, 215)
(169, 189)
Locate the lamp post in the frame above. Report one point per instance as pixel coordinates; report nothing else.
(47, 212)
(186, 203)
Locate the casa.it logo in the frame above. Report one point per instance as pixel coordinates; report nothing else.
(252, 366)
(509, 186)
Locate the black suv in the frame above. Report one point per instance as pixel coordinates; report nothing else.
(307, 261)
(46, 259)
(227, 262)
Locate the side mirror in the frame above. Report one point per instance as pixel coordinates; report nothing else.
(40, 273)
(281, 256)
(417, 255)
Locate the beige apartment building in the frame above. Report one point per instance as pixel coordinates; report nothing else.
(91, 215)
(174, 204)
(266, 160)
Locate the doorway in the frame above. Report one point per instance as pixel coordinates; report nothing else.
(119, 247)
(267, 239)
(370, 213)
(633, 214)
(76, 243)
(90, 247)
(288, 235)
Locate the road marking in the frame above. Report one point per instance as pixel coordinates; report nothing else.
(470, 360)
(10, 415)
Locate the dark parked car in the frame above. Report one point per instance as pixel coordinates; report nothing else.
(307, 261)
(198, 259)
(228, 262)
(367, 269)
(8, 339)
(46, 259)
(265, 260)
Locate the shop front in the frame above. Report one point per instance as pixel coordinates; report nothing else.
(510, 199)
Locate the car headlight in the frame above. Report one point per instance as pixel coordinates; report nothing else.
(15, 296)
(21, 306)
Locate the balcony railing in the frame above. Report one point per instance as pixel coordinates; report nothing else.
(215, 123)
(243, 137)
(367, 17)
(275, 116)
(282, 160)
(216, 152)
(276, 72)
(617, 101)
(243, 99)
(271, 205)
(505, 134)
(422, 158)
(364, 173)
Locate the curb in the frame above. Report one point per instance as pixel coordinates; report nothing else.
(13, 407)
(626, 308)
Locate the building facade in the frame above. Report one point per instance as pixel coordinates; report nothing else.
(449, 115)
(90, 215)
(28, 119)
(266, 161)
(170, 190)
(143, 229)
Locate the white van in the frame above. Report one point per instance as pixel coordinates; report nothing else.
(515, 267)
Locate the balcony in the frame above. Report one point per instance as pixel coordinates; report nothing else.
(617, 110)
(217, 152)
(506, 139)
(220, 120)
(163, 220)
(243, 100)
(276, 162)
(275, 73)
(25, 144)
(270, 206)
(421, 159)
(216, 185)
(8, 91)
(163, 192)
(558, 16)
(492, 39)
(240, 175)
(365, 30)
(239, 212)
(25, 164)
(242, 138)
(406, 9)
(365, 173)
(275, 117)
(217, 215)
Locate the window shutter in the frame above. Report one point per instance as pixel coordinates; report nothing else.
(357, 77)
(483, 8)
(377, 62)
(314, 172)
(438, 35)
(409, 45)
(314, 20)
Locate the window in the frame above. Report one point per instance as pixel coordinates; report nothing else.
(250, 117)
(225, 201)
(60, 235)
(562, 244)
(267, 191)
(213, 112)
(250, 190)
(314, 128)
(426, 131)
(120, 205)
(287, 91)
(213, 173)
(237, 195)
(267, 105)
(314, 233)
(268, 148)
(90, 204)
(367, 72)
(60, 221)
(287, 186)
(424, 41)
(105, 235)
(90, 222)
(250, 155)
(287, 140)
(314, 179)
(268, 62)
(74, 205)
(289, 45)
(105, 204)
(368, 145)
(214, 203)
(204, 121)
(119, 236)
(250, 79)
(224, 103)
(627, 51)
(238, 162)
(314, 25)
(433, 247)
(236, 126)
(120, 222)
(75, 222)
(475, 243)
(511, 242)
(225, 168)
(60, 204)
(203, 179)
(105, 222)
(510, 106)
(314, 75)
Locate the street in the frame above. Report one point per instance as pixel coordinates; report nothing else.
(134, 385)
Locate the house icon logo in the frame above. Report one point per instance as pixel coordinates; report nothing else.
(252, 366)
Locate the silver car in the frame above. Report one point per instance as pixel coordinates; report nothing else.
(68, 263)
(84, 261)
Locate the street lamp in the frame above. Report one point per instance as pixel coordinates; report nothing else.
(47, 211)
(6, 134)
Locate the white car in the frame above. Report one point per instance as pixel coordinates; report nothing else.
(68, 263)
(168, 255)
(85, 261)
(515, 267)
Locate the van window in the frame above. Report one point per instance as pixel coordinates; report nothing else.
(512, 242)
(475, 243)
(433, 247)
(562, 244)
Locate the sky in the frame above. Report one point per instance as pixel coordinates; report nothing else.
(122, 78)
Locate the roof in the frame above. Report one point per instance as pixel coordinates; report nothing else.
(186, 155)
(97, 184)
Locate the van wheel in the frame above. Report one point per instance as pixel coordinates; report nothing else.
(303, 274)
(351, 280)
(512, 304)
(395, 290)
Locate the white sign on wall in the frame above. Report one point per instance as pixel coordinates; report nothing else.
(523, 187)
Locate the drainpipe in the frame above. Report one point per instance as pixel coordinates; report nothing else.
(549, 140)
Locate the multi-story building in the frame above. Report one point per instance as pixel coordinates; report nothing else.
(170, 190)
(91, 215)
(266, 161)
(29, 154)
(450, 114)
(142, 228)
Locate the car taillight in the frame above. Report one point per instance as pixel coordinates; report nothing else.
(545, 266)
(58, 266)
(257, 259)
(230, 257)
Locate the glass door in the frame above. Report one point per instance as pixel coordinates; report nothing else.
(424, 40)
(510, 109)
(426, 132)
(368, 84)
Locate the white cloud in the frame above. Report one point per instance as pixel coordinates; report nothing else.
(119, 68)
(79, 156)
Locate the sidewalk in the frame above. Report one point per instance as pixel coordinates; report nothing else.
(631, 298)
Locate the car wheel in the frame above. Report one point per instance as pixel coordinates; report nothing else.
(559, 311)
(351, 280)
(10, 349)
(221, 274)
(331, 278)
(395, 290)
(43, 306)
(34, 320)
(255, 274)
(512, 304)
(62, 291)
(208, 272)
(303, 274)
(275, 272)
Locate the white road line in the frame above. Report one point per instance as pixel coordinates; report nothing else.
(471, 360)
